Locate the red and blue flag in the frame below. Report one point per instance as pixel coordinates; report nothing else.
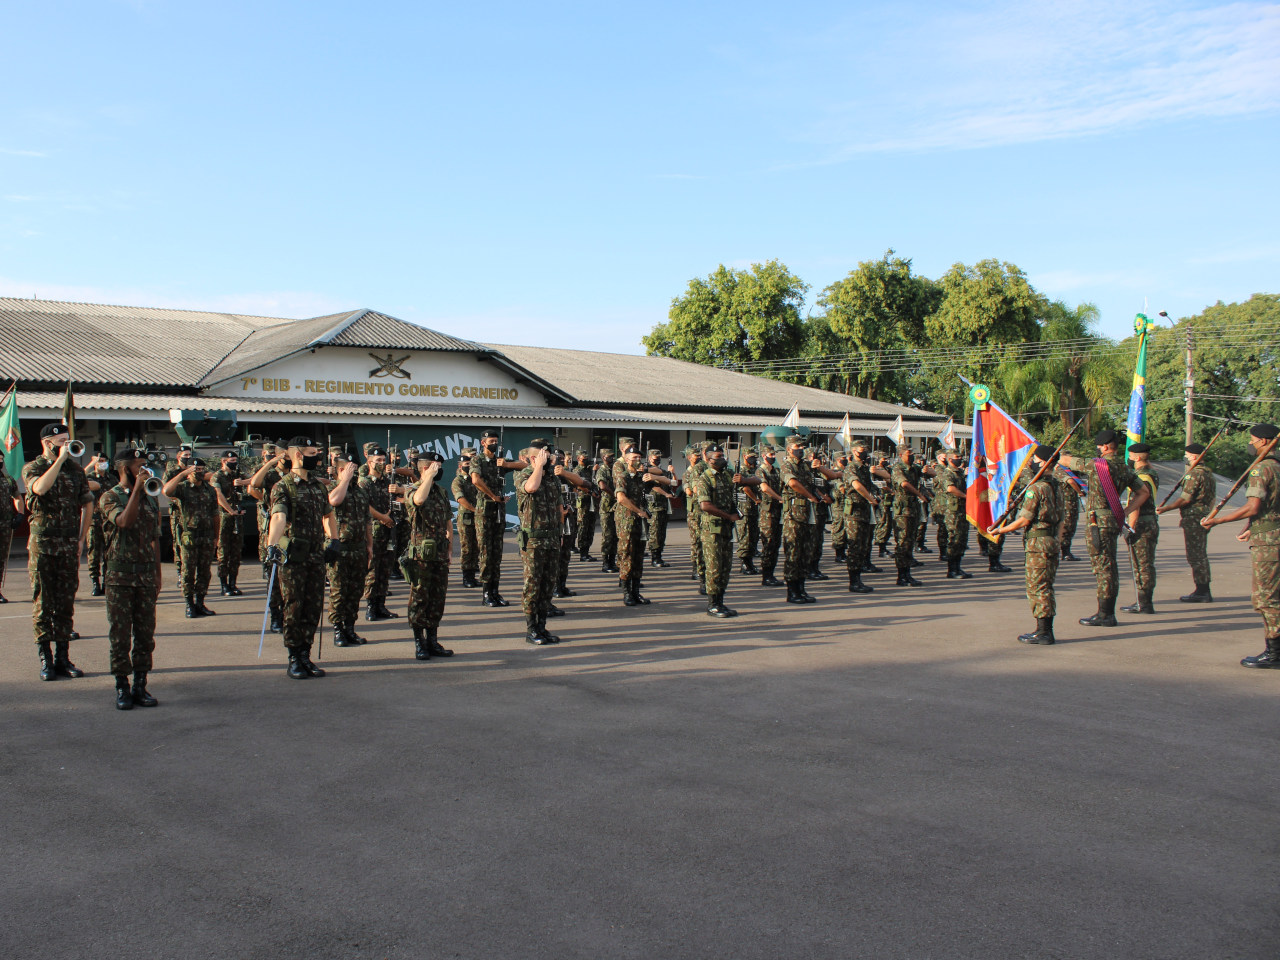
(999, 451)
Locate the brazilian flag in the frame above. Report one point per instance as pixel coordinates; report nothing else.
(1137, 423)
(11, 433)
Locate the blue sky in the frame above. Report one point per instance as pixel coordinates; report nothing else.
(557, 174)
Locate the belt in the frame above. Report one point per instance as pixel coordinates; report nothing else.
(116, 566)
(1040, 533)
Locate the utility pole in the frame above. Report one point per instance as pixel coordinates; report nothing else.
(1190, 385)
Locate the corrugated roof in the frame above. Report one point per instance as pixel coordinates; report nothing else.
(97, 343)
(618, 379)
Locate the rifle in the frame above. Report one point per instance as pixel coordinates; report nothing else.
(1195, 463)
(1244, 476)
(1039, 473)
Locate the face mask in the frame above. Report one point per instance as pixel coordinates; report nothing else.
(310, 461)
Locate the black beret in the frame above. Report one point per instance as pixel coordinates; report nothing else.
(127, 455)
(490, 433)
(1194, 448)
(1139, 448)
(196, 462)
(1044, 452)
(228, 453)
(375, 451)
(713, 448)
(1105, 437)
(302, 442)
(52, 430)
(429, 456)
(538, 444)
(630, 448)
(1264, 431)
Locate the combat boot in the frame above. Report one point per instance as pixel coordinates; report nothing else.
(296, 669)
(869, 567)
(546, 635)
(62, 664)
(433, 644)
(1199, 595)
(793, 595)
(373, 612)
(46, 661)
(1105, 617)
(767, 578)
(495, 598)
(627, 598)
(841, 554)
(856, 585)
(1068, 555)
(635, 592)
(905, 579)
(584, 557)
(923, 548)
(342, 636)
(1144, 604)
(420, 650)
(192, 610)
(277, 623)
(232, 589)
(658, 561)
(124, 699)
(304, 655)
(96, 590)
(883, 550)
(224, 591)
(804, 594)
(995, 566)
(1043, 633)
(204, 611)
(1269, 659)
(554, 611)
(702, 587)
(954, 572)
(749, 567)
(139, 692)
(469, 579)
(816, 574)
(716, 608)
(531, 633)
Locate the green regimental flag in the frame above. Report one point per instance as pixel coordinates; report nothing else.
(69, 412)
(1137, 423)
(11, 432)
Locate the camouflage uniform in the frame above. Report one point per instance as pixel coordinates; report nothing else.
(463, 488)
(230, 532)
(1103, 528)
(8, 514)
(1264, 544)
(955, 515)
(347, 575)
(1200, 489)
(97, 541)
(822, 516)
(748, 528)
(587, 511)
(132, 554)
(716, 487)
(693, 519)
(659, 513)
(275, 601)
(1144, 543)
(770, 520)
(491, 519)
(378, 496)
(631, 533)
(1070, 511)
(54, 548)
(608, 530)
(839, 529)
(1042, 507)
(428, 550)
(857, 517)
(568, 533)
(539, 542)
(798, 520)
(172, 468)
(937, 507)
(906, 514)
(305, 504)
(198, 510)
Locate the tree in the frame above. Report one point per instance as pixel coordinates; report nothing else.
(880, 306)
(734, 316)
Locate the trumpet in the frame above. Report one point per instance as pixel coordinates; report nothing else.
(151, 487)
(75, 448)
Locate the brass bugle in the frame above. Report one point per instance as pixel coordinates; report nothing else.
(75, 448)
(152, 487)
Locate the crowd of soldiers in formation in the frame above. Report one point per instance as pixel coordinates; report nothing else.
(328, 523)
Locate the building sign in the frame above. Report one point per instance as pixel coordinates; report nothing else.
(395, 377)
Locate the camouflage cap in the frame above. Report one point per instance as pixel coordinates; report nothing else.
(268, 448)
(768, 448)
(606, 452)
(795, 440)
(655, 453)
(467, 451)
(335, 449)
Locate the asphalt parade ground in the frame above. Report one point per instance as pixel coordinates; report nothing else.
(882, 776)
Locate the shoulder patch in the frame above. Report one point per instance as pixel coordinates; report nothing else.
(1254, 472)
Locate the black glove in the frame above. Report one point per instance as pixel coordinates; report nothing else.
(274, 556)
(332, 551)
(1130, 535)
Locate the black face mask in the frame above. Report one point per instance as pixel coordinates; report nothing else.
(310, 461)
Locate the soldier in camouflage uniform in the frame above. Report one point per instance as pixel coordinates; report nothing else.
(885, 525)
(1041, 516)
(98, 474)
(1106, 519)
(659, 504)
(133, 574)
(465, 494)
(717, 507)
(823, 477)
(908, 500)
(951, 490)
(380, 490)
(569, 485)
(488, 469)
(264, 479)
(1146, 532)
(1262, 510)
(1070, 510)
(426, 559)
(770, 516)
(172, 468)
(1199, 491)
(839, 530)
(693, 513)
(199, 501)
(603, 479)
(61, 508)
(588, 505)
(629, 513)
(230, 531)
(941, 471)
(859, 495)
(799, 517)
(538, 501)
(12, 508)
(748, 504)
(301, 518)
(401, 476)
(347, 573)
